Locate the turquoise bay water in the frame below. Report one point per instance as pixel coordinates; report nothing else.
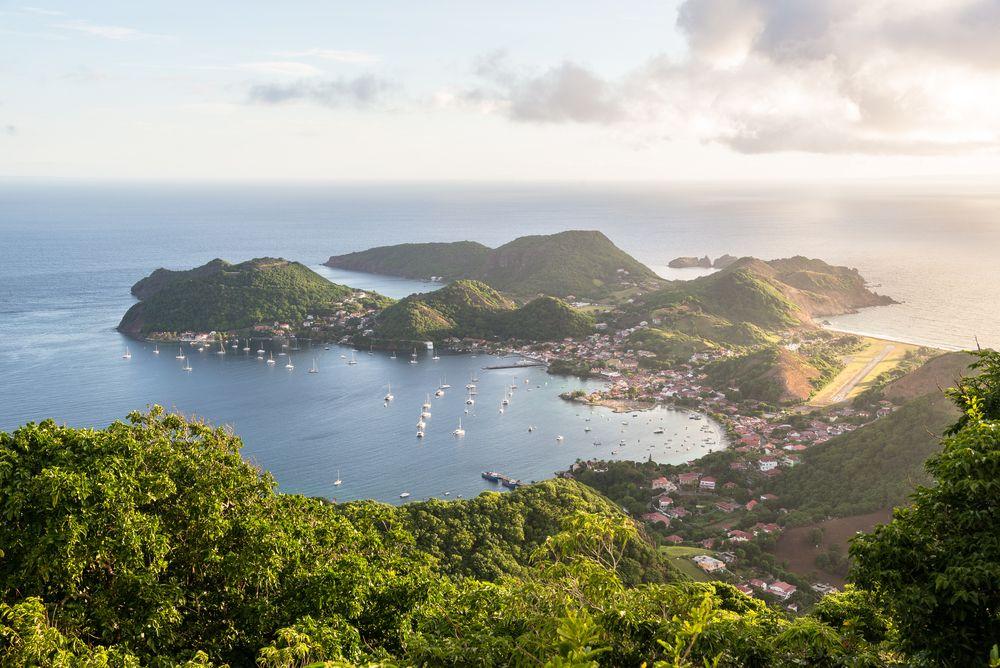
(70, 253)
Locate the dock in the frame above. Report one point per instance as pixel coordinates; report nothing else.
(517, 365)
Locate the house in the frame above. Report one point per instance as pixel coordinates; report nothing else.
(766, 465)
(689, 478)
(708, 564)
(657, 518)
(757, 583)
(791, 460)
(664, 484)
(751, 504)
(707, 483)
(663, 501)
(737, 536)
(728, 557)
(770, 527)
(708, 543)
(676, 513)
(674, 538)
(745, 589)
(727, 506)
(768, 497)
(782, 590)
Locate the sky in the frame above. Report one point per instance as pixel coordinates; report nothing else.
(683, 90)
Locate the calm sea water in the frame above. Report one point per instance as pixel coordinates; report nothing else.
(70, 252)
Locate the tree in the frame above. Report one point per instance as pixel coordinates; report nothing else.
(936, 565)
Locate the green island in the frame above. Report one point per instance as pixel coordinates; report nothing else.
(575, 264)
(224, 297)
(151, 542)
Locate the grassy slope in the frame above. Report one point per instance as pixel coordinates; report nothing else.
(771, 374)
(232, 297)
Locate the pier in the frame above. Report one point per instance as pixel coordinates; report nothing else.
(516, 365)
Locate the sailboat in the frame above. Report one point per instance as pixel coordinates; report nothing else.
(156, 350)
(421, 424)
(187, 366)
(389, 397)
(393, 355)
(459, 431)
(427, 402)
(338, 482)
(222, 348)
(260, 351)
(413, 356)
(270, 359)
(179, 355)
(352, 361)
(313, 368)
(127, 355)
(371, 349)
(289, 364)
(246, 346)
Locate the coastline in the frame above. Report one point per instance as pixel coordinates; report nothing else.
(901, 340)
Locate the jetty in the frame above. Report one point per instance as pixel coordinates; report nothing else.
(505, 480)
(514, 365)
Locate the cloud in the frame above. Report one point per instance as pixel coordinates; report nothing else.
(361, 92)
(117, 33)
(566, 92)
(857, 76)
(352, 57)
(42, 11)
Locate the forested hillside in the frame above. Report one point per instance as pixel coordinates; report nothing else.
(222, 297)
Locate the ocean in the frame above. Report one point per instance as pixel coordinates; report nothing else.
(70, 252)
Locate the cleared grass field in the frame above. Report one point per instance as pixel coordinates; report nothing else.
(861, 369)
(680, 558)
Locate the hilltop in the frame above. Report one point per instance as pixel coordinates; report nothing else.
(220, 296)
(472, 308)
(578, 263)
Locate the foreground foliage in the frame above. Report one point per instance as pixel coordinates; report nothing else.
(936, 565)
(152, 542)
